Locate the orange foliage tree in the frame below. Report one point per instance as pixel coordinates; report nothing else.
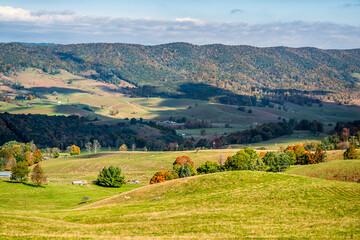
(306, 157)
(74, 150)
(37, 156)
(161, 176)
(182, 160)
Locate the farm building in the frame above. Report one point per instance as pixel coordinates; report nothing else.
(78, 183)
(5, 174)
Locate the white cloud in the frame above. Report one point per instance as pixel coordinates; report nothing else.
(18, 24)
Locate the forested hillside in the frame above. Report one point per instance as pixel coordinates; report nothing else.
(62, 131)
(170, 67)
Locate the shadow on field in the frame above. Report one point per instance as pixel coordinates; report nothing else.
(96, 155)
(55, 89)
(25, 183)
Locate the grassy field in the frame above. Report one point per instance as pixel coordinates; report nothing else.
(135, 165)
(215, 206)
(342, 170)
(284, 141)
(54, 196)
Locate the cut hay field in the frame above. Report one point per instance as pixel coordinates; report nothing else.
(135, 165)
(341, 170)
(215, 206)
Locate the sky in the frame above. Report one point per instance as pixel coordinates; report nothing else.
(326, 24)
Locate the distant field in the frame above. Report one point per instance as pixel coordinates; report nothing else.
(84, 94)
(284, 141)
(228, 205)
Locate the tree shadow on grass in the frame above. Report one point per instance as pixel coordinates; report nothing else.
(24, 183)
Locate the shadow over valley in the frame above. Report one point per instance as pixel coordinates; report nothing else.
(55, 89)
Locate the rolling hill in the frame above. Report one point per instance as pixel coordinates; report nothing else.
(172, 67)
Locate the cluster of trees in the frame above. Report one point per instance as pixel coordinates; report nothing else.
(183, 166)
(264, 132)
(95, 146)
(246, 159)
(346, 135)
(303, 157)
(197, 124)
(20, 172)
(62, 131)
(14, 152)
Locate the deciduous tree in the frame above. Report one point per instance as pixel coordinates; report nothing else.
(37, 156)
(96, 146)
(75, 150)
(20, 171)
(38, 176)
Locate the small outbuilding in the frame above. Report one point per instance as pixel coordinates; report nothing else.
(78, 183)
(5, 174)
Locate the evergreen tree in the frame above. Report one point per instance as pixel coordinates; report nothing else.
(110, 177)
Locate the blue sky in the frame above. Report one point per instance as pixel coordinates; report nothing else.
(316, 23)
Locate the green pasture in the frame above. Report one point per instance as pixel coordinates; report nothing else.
(135, 165)
(284, 141)
(228, 205)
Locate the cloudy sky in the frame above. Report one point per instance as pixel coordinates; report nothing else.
(295, 23)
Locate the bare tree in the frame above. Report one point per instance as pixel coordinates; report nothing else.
(96, 145)
(88, 146)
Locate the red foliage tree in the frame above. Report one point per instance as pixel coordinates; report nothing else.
(182, 160)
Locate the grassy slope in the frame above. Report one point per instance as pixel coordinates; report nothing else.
(54, 196)
(135, 165)
(223, 205)
(343, 170)
(284, 141)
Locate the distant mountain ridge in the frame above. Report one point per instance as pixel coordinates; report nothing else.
(240, 69)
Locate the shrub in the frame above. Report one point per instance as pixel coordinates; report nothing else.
(110, 177)
(312, 145)
(351, 153)
(20, 171)
(319, 156)
(74, 150)
(185, 170)
(182, 160)
(161, 176)
(123, 148)
(277, 161)
(246, 159)
(209, 167)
